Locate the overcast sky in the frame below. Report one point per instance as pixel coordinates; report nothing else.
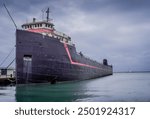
(118, 30)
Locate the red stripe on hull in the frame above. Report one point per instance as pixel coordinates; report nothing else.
(40, 30)
(76, 63)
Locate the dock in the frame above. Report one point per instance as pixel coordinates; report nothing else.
(7, 76)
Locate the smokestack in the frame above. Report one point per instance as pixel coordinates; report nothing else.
(34, 19)
(105, 62)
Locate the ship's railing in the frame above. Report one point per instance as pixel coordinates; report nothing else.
(91, 60)
(63, 38)
(87, 57)
(62, 35)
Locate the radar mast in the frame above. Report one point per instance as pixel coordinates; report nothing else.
(47, 12)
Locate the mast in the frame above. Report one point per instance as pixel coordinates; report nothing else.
(47, 12)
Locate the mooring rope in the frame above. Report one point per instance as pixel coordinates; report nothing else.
(7, 56)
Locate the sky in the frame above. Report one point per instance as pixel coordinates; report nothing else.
(118, 30)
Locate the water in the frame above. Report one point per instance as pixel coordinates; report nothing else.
(122, 87)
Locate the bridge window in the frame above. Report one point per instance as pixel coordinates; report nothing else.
(49, 26)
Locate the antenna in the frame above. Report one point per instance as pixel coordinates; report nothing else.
(47, 12)
(42, 14)
(10, 16)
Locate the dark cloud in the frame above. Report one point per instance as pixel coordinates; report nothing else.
(121, 5)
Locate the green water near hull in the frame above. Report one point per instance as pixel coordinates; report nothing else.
(47, 92)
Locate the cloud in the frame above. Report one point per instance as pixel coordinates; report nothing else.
(113, 29)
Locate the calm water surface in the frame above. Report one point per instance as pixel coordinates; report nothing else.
(118, 87)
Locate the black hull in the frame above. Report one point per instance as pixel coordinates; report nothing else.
(41, 59)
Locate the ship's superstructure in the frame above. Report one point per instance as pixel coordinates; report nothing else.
(46, 55)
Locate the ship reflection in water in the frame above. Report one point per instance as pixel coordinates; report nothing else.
(119, 87)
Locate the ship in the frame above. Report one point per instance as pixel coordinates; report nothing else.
(45, 55)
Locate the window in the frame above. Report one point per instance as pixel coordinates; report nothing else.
(3, 71)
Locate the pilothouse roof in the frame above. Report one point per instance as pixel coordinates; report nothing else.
(39, 22)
